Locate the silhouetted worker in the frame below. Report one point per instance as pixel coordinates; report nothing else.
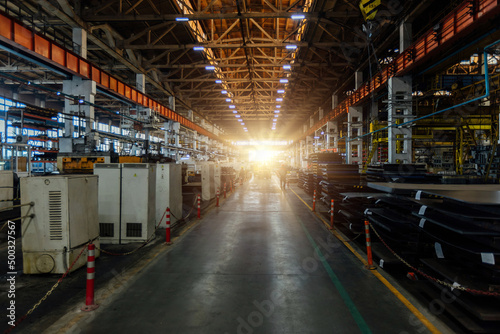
(282, 175)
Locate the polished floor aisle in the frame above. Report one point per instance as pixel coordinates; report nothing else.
(261, 263)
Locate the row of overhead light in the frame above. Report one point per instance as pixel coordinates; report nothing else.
(224, 91)
(293, 17)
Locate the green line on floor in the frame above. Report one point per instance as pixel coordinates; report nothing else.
(343, 293)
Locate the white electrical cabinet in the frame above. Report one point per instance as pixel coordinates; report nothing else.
(138, 201)
(168, 191)
(127, 204)
(207, 181)
(217, 176)
(109, 202)
(65, 219)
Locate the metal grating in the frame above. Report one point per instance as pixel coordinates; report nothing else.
(134, 230)
(55, 215)
(106, 230)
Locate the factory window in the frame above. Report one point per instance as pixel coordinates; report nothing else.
(8, 134)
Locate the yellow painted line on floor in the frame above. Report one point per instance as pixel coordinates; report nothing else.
(381, 278)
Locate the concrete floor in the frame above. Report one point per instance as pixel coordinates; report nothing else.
(261, 263)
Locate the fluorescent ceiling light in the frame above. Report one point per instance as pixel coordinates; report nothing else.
(228, 100)
(242, 123)
(237, 116)
(218, 81)
(278, 106)
(198, 48)
(298, 16)
(181, 19)
(281, 91)
(223, 91)
(276, 116)
(210, 68)
(291, 46)
(232, 106)
(235, 111)
(287, 67)
(276, 111)
(279, 99)
(240, 120)
(283, 80)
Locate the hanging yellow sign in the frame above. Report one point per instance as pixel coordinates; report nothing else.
(369, 8)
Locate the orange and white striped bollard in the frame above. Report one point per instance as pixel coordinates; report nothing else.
(90, 305)
(199, 206)
(314, 201)
(167, 230)
(369, 247)
(331, 215)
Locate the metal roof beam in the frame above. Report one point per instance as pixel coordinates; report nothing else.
(310, 16)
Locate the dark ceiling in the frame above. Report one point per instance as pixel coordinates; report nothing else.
(247, 41)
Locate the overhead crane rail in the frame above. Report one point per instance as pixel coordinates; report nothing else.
(449, 29)
(16, 37)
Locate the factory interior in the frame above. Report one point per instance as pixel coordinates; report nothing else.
(243, 166)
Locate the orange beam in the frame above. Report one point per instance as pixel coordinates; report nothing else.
(15, 34)
(452, 26)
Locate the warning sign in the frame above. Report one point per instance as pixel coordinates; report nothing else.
(369, 8)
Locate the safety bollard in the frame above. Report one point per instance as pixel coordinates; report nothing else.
(314, 201)
(331, 215)
(90, 305)
(167, 230)
(224, 190)
(369, 247)
(199, 206)
(217, 203)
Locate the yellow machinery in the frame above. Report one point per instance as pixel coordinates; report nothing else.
(79, 165)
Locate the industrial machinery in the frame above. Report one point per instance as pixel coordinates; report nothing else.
(79, 164)
(207, 181)
(65, 219)
(127, 204)
(168, 191)
(217, 176)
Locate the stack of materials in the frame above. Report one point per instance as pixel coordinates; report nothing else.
(462, 228)
(350, 209)
(401, 173)
(306, 182)
(451, 228)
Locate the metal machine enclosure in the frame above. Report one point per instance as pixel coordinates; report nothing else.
(127, 205)
(65, 220)
(138, 201)
(109, 202)
(207, 181)
(217, 177)
(168, 191)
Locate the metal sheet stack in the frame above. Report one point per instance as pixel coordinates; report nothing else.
(306, 182)
(451, 228)
(402, 173)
